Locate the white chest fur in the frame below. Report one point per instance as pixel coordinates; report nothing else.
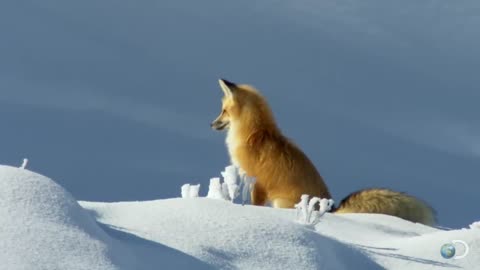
(232, 144)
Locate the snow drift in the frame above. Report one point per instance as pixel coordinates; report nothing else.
(231, 236)
(43, 227)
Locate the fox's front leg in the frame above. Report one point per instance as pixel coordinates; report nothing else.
(259, 197)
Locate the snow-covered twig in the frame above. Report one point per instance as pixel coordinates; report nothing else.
(24, 164)
(247, 187)
(190, 191)
(186, 191)
(194, 189)
(215, 189)
(302, 208)
(225, 191)
(311, 209)
(306, 213)
(231, 188)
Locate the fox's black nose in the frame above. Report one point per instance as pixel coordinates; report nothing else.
(228, 83)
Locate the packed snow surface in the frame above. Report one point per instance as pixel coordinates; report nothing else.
(43, 227)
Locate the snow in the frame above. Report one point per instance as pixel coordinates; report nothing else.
(475, 225)
(43, 227)
(230, 176)
(228, 235)
(190, 191)
(306, 212)
(216, 190)
(233, 182)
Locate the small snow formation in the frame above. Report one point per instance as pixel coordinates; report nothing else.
(194, 189)
(215, 190)
(186, 191)
(475, 225)
(24, 163)
(306, 213)
(232, 184)
(230, 176)
(247, 187)
(190, 191)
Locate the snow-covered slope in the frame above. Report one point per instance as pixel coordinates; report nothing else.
(230, 236)
(247, 237)
(43, 227)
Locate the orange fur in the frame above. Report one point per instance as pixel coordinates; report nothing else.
(283, 171)
(259, 149)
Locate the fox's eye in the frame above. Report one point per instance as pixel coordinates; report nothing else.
(224, 111)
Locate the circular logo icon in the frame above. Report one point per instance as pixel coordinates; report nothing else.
(447, 251)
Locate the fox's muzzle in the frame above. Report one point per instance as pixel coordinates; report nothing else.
(219, 125)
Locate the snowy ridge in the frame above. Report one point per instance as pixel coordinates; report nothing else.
(234, 237)
(43, 227)
(230, 236)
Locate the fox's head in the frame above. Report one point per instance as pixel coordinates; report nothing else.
(241, 104)
(230, 109)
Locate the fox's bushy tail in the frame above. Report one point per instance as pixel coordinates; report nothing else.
(385, 201)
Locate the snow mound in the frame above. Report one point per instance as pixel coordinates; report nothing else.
(43, 227)
(230, 236)
(395, 243)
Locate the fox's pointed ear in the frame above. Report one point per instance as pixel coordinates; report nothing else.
(228, 88)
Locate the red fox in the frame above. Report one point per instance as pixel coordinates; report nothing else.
(283, 172)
